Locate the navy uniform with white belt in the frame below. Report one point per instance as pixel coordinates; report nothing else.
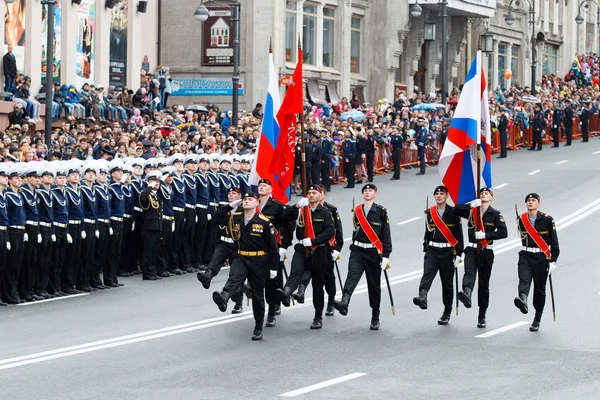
(127, 264)
(224, 178)
(214, 197)
(136, 185)
(90, 227)
(104, 228)
(478, 262)
(201, 256)
(538, 257)
(73, 269)
(165, 194)
(29, 275)
(44, 248)
(189, 225)
(117, 209)
(3, 228)
(60, 211)
(440, 253)
(178, 187)
(16, 235)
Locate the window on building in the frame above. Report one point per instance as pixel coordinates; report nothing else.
(490, 71)
(400, 71)
(328, 36)
(355, 44)
(309, 37)
(550, 58)
(502, 64)
(290, 32)
(514, 65)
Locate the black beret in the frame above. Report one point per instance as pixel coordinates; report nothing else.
(486, 189)
(440, 188)
(368, 186)
(234, 190)
(532, 196)
(313, 187)
(265, 181)
(251, 195)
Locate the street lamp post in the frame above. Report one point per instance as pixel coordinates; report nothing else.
(202, 15)
(49, 70)
(579, 18)
(510, 20)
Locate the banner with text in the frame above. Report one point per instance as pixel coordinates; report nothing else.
(118, 45)
(217, 38)
(57, 40)
(204, 87)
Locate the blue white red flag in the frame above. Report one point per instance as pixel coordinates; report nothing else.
(470, 127)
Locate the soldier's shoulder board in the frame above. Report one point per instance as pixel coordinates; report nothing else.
(381, 207)
(237, 213)
(263, 217)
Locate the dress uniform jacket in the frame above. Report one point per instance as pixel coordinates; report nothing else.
(493, 223)
(544, 225)
(152, 206)
(432, 234)
(378, 219)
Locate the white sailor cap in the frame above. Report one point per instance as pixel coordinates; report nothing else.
(177, 157)
(204, 157)
(128, 168)
(225, 158)
(190, 158)
(154, 175)
(115, 165)
(137, 162)
(168, 171)
(236, 157)
(4, 169)
(90, 166)
(151, 163)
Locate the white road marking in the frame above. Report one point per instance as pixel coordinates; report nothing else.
(503, 329)
(501, 186)
(561, 162)
(596, 152)
(54, 299)
(408, 221)
(322, 385)
(535, 172)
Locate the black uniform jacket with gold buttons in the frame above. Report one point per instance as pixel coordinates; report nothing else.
(379, 221)
(339, 234)
(545, 226)
(257, 235)
(493, 223)
(152, 207)
(322, 220)
(273, 210)
(433, 234)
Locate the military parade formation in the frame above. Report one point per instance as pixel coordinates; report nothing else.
(73, 227)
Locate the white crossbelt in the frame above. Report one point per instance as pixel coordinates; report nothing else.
(532, 249)
(226, 239)
(440, 245)
(488, 247)
(364, 245)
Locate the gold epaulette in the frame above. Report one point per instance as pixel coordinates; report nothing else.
(263, 217)
(237, 213)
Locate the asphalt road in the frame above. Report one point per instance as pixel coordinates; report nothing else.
(167, 339)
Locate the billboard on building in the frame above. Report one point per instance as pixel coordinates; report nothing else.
(86, 35)
(217, 38)
(118, 45)
(56, 40)
(204, 87)
(14, 31)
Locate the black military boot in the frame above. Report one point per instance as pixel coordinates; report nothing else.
(271, 321)
(317, 323)
(285, 296)
(342, 306)
(481, 318)
(535, 325)
(205, 278)
(299, 295)
(465, 297)
(278, 309)
(257, 334)
(445, 318)
(238, 308)
(521, 303)
(221, 300)
(329, 310)
(421, 300)
(375, 321)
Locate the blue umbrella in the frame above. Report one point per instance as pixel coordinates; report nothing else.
(354, 114)
(424, 107)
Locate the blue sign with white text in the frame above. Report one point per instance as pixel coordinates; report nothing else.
(204, 87)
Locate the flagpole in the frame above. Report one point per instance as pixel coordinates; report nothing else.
(302, 139)
(478, 212)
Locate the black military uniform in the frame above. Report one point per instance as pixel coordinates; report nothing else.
(365, 256)
(369, 150)
(312, 257)
(556, 121)
(316, 156)
(537, 127)
(503, 133)
(585, 120)
(568, 121)
(256, 255)
(396, 141)
(151, 227)
(534, 264)
(440, 256)
(479, 262)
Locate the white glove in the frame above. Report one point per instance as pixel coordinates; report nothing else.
(475, 203)
(83, 234)
(164, 177)
(281, 254)
(25, 237)
(97, 234)
(110, 231)
(272, 274)
(69, 238)
(235, 203)
(153, 184)
(384, 262)
(302, 203)
(335, 255)
(173, 227)
(458, 260)
(479, 235)
(39, 238)
(306, 242)
(196, 218)
(551, 267)
(132, 226)
(53, 238)
(8, 246)
(208, 217)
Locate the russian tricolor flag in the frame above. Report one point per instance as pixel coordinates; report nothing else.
(469, 127)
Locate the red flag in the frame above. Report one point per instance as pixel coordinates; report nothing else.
(282, 163)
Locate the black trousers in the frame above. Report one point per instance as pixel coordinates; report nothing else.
(533, 267)
(396, 159)
(27, 277)
(224, 251)
(200, 236)
(151, 243)
(100, 254)
(569, 132)
(349, 172)
(555, 137)
(88, 247)
(326, 172)
(188, 237)
(72, 259)
(2, 261)
(503, 141)
(330, 286)
(536, 139)
(166, 246)
(272, 285)
(369, 262)
(370, 165)
(115, 243)
(126, 262)
(256, 271)
(479, 264)
(316, 262)
(421, 154)
(59, 250)
(177, 239)
(441, 260)
(44, 258)
(136, 240)
(585, 130)
(13, 265)
(212, 233)
(315, 172)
